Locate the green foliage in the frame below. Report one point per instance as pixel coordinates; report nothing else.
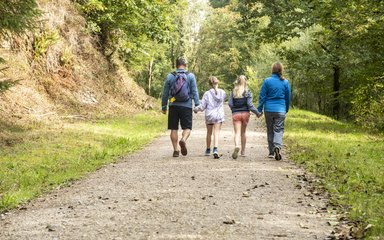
(6, 84)
(367, 105)
(219, 3)
(43, 41)
(17, 15)
(223, 50)
(218, 53)
(66, 57)
(146, 35)
(332, 47)
(347, 159)
(128, 26)
(50, 157)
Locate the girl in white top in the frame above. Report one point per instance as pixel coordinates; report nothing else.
(213, 104)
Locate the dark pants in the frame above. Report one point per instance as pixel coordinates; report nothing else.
(275, 129)
(179, 114)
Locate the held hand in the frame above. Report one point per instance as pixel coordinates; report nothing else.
(164, 111)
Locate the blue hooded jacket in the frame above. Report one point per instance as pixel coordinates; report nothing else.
(275, 95)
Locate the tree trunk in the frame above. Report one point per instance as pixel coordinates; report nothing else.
(336, 91)
(150, 74)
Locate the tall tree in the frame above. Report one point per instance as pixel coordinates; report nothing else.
(341, 22)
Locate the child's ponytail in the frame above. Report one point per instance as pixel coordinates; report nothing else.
(212, 80)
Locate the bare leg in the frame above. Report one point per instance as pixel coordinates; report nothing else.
(216, 133)
(237, 128)
(209, 135)
(185, 134)
(243, 138)
(174, 138)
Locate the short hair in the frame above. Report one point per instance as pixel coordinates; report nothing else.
(180, 61)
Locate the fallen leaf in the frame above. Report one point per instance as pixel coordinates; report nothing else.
(50, 228)
(229, 222)
(280, 235)
(246, 194)
(302, 225)
(368, 227)
(332, 223)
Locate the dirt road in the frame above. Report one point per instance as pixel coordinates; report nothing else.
(150, 195)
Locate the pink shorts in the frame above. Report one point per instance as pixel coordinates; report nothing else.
(242, 117)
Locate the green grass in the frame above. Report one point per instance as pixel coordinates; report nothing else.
(35, 161)
(348, 159)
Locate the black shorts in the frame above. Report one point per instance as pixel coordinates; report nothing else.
(179, 114)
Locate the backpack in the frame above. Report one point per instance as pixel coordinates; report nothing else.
(180, 88)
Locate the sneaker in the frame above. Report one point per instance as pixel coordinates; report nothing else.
(277, 154)
(235, 153)
(176, 153)
(183, 147)
(216, 154)
(208, 152)
(271, 155)
(242, 154)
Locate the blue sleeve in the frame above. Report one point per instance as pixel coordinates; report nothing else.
(262, 97)
(287, 96)
(230, 100)
(250, 104)
(194, 91)
(164, 98)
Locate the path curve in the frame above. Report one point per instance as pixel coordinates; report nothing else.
(150, 195)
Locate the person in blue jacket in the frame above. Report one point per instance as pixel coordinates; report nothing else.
(179, 101)
(275, 98)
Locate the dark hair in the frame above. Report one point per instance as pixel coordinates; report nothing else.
(180, 61)
(278, 69)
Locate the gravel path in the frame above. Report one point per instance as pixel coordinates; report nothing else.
(150, 195)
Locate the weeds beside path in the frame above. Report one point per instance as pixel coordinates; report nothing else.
(35, 160)
(349, 160)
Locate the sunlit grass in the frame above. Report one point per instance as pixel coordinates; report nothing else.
(349, 160)
(49, 157)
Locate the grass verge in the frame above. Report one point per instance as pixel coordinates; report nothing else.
(43, 158)
(348, 159)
